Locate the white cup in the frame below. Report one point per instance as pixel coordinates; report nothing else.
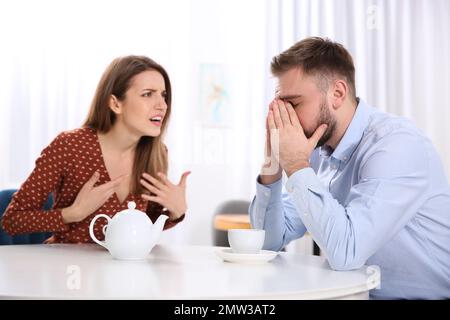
(246, 240)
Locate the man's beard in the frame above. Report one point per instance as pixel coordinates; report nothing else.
(325, 117)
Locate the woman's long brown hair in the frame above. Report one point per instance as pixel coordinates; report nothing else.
(151, 153)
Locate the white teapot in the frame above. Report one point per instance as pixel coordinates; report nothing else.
(130, 234)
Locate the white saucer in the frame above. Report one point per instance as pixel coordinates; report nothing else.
(228, 255)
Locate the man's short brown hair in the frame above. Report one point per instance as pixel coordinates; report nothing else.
(319, 57)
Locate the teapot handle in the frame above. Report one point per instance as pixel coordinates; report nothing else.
(91, 229)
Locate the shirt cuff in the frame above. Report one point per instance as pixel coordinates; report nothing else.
(265, 194)
(266, 191)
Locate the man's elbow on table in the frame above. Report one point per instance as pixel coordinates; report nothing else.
(342, 262)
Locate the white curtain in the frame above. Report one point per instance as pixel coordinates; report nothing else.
(401, 51)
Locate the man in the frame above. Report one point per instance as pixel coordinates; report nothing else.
(368, 186)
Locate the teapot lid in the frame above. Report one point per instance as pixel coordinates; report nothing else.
(131, 205)
(131, 208)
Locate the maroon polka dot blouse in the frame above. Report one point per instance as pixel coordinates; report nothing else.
(63, 168)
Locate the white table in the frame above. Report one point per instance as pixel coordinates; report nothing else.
(87, 271)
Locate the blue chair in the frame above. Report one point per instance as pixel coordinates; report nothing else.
(31, 238)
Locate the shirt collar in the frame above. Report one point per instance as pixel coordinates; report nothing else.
(353, 134)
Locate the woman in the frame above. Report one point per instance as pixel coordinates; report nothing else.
(116, 157)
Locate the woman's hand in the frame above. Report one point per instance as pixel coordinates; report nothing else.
(169, 195)
(90, 198)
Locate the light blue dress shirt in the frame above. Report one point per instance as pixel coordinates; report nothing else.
(380, 198)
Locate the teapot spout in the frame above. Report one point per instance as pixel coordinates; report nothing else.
(158, 226)
(159, 223)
